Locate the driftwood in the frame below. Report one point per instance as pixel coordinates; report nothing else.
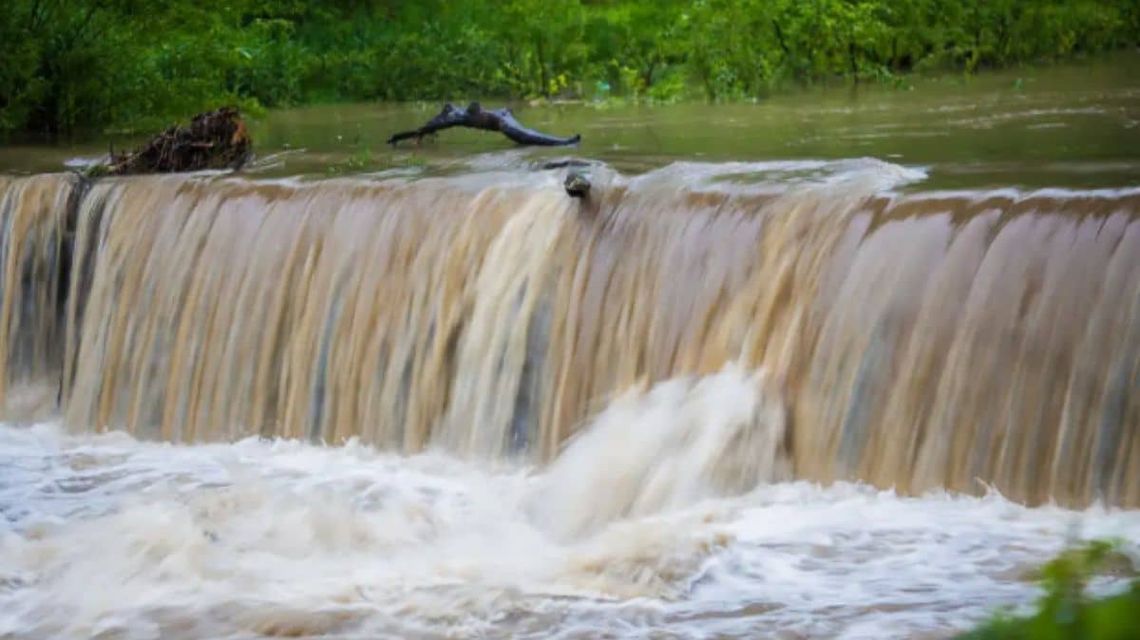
(476, 117)
(214, 140)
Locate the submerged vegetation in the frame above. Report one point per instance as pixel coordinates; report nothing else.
(80, 65)
(1065, 610)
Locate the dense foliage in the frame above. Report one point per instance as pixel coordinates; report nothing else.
(1065, 611)
(74, 65)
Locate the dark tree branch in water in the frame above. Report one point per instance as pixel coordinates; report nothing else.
(475, 117)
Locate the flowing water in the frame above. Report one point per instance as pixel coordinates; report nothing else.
(743, 390)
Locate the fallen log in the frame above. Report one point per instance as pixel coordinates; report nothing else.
(214, 140)
(476, 117)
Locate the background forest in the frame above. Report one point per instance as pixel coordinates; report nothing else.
(71, 66)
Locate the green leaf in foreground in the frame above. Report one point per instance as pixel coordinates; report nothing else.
(1065, 611)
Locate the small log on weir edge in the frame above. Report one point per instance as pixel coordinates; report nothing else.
(577, 182)
(577, 185)
(476, 117)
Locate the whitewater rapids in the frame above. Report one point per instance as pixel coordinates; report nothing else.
(669, 516)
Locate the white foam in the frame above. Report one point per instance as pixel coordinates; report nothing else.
(684, 441)
(635, 528)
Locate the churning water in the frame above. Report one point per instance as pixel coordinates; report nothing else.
(635, 530)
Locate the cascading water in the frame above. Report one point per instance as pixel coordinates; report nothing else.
(34, 254)
(918, 341)
(657, 359)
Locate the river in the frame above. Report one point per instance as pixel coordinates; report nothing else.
(848, 363)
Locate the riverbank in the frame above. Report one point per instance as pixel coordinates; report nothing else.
(1071, 125)
(77, 68)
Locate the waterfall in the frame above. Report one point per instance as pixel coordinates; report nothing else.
(913, 339)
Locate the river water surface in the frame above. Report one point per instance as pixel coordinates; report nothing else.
(1069, 125)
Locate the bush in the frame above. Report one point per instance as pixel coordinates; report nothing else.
(1065, 611)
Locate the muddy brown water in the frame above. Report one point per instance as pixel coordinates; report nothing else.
(820, 366)
(1073, 125)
